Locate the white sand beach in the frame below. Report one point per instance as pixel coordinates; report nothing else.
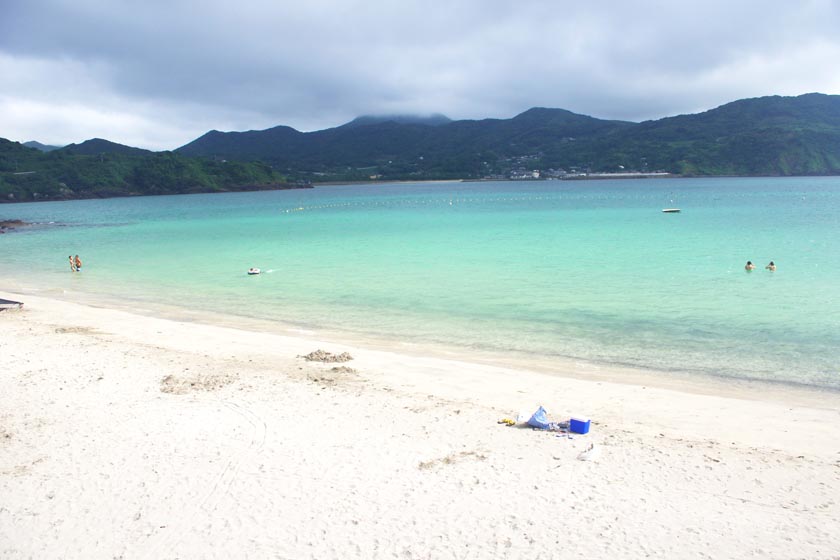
(127, 436)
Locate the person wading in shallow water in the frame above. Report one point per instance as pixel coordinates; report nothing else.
(78, 262)
(72, 264)
(749, 266)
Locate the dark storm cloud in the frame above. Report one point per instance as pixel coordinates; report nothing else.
(159, 73)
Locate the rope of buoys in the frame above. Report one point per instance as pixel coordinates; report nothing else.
(433, 202)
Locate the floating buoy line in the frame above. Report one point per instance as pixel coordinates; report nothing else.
(443, 202)
(414, 203)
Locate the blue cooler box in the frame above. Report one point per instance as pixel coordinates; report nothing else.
(579, 425)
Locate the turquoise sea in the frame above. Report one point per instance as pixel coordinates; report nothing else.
(590, 271)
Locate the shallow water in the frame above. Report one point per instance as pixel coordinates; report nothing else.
(589, 270)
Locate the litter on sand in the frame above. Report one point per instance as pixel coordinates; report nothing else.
(579, 425)
(590, 453)
(9, 304)
(539, 420)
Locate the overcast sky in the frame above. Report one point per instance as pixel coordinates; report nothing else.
(159, 73)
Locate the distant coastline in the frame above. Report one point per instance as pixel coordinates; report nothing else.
(10, 224)
(92, 196)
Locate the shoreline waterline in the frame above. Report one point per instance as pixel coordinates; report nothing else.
(556, 367)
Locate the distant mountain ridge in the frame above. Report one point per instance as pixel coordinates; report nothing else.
(760, 136)
(97, 146)
(39, 146)
(408, 149)
(435, 119)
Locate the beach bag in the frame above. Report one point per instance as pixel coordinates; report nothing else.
(539, 419)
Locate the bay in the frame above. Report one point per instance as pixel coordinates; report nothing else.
(567, 270)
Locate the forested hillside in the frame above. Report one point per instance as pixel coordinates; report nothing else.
(105, 169)
(761, 136)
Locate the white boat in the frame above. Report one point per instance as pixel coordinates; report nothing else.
(253, 270)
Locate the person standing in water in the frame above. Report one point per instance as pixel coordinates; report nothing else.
(771, 267)
(749, 267)
(72, 264)
(78, 262)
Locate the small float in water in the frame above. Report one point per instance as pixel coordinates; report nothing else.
(253, 270)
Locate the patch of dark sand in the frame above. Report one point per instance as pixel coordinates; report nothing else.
(326, 357)
(183, 384)
(451, 459)
(77, 330)
(333, 376)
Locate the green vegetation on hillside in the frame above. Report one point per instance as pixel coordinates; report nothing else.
(762, 136)
(27, 174)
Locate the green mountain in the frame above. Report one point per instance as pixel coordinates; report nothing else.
(39, 146)
(403, 148)
(96, 146)
(761, 136)
(98, 169)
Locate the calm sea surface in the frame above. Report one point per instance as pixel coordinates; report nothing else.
(589, 270)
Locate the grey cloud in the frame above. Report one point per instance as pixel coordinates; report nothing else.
(256, 64)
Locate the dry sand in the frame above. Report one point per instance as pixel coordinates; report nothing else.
(124, 436)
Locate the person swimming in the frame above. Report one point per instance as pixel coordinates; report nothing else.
(771, 267)
(749, 266)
